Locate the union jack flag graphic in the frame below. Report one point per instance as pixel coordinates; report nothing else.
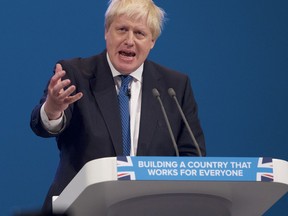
(126, 176)
(266, 176)
(125, 162)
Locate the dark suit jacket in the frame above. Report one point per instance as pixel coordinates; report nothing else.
(93, 127)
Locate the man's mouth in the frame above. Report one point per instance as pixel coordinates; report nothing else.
(127, 54)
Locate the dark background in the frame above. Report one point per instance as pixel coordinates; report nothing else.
(235, 52)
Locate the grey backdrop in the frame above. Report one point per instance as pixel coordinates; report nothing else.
(235, 52)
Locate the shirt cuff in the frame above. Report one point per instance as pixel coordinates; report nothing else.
(52, 126)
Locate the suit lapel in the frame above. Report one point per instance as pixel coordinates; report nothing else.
(149, 107)
(103, 88)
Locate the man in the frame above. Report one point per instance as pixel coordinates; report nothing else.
(80, 105)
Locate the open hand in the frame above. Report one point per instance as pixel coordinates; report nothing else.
(59, 94)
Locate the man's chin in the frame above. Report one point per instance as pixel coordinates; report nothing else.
(126, 69)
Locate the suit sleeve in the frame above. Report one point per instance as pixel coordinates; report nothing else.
(36, 122)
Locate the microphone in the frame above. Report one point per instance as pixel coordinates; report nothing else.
(156, 94)
(172, 93)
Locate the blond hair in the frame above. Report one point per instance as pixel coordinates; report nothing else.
(137, 9)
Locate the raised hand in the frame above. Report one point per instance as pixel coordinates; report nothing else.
(59, 94)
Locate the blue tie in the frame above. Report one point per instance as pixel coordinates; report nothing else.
(123, 98)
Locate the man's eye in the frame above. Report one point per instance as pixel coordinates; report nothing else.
(140, 33)
(122, 29)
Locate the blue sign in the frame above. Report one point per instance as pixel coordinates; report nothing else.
(195, 168)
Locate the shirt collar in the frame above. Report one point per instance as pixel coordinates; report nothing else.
(137, 74)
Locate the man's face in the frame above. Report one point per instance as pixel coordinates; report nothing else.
(128, 43)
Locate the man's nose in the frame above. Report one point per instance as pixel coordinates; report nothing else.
(130, 39)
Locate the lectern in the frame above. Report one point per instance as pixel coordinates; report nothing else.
(169, 186)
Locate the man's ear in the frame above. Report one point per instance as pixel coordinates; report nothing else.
(152, 43)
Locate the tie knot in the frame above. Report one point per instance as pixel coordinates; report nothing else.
(125, 79)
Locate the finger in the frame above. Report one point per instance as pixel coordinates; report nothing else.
(59, 73)
(74, 98)
(56, 78)
(67, 92)
(58, 68)
(60, 86)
